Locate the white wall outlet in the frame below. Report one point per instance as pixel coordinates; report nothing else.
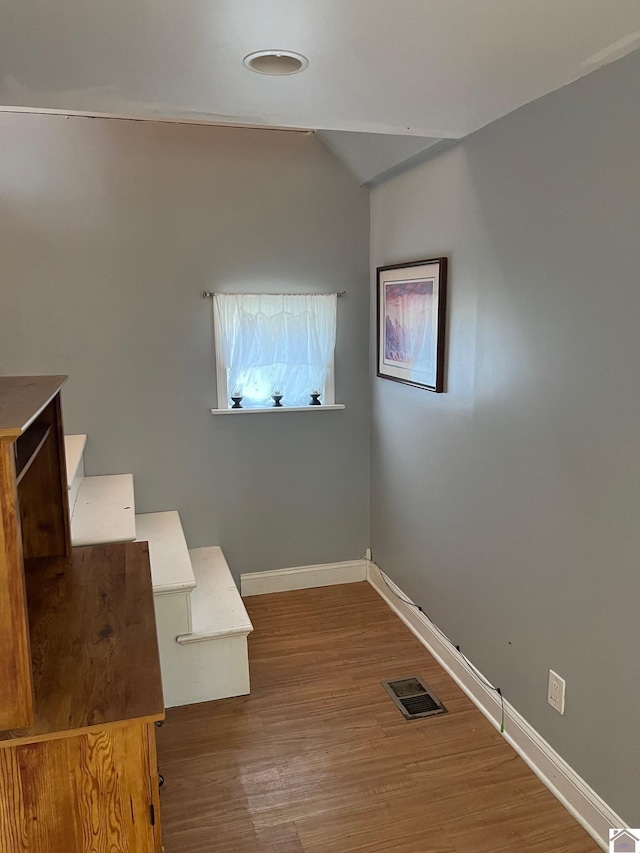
(557, 687)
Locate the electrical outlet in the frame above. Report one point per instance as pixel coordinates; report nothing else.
(557, 687)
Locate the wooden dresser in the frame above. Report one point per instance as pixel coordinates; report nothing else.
(80, 686)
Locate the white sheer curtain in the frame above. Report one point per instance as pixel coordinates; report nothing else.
(267, 343)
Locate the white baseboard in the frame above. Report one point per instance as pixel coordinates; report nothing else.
(303, 577)
(574, 793)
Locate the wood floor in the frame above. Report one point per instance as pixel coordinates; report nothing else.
(318, 759)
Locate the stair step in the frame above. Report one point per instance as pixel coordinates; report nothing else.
(74, 448)
(74, 453)
(104, 511)
(170, 564)
(217, 610)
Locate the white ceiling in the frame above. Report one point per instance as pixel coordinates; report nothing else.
(426, 68)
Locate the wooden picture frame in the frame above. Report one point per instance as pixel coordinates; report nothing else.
(411, 306)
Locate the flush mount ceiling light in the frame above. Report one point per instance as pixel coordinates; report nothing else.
(275, 62)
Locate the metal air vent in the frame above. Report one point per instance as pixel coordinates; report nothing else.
(413, 697)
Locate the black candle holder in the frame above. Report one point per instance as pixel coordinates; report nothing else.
(276, 401)
(236, 402)
(314, 399)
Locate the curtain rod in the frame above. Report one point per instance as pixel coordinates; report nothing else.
(206, 294)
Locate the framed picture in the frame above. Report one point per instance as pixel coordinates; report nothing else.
(411, 319)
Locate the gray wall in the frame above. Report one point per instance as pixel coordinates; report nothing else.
(109, 232)
(509, 507)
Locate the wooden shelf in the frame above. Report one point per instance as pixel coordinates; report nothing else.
(22, 398)
(93, 642)
(28, 446)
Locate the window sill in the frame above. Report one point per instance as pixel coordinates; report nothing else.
(277, 409)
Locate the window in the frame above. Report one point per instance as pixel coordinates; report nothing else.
(274, 343)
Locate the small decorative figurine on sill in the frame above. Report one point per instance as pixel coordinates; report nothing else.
(315, 394)
(236, 396)
(276, 397)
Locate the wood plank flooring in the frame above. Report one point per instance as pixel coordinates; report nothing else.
(318, 759)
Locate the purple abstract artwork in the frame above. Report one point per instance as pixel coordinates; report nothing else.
(411, 314)
(408, 307)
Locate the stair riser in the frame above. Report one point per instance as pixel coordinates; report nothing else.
(173, 614)
(202, 672)
(75, 485)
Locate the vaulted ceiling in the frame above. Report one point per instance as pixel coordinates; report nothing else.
(428, 69)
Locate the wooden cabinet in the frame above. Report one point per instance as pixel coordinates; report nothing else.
(80, 686)
(91, 792)
(34, 520)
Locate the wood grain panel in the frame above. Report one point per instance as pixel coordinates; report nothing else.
(28, 447)
(319, 760)
(13, 829)
(93, 640)
(155, 784)
(42, 492)
(16, 691)
(84, 794)
(48, 809)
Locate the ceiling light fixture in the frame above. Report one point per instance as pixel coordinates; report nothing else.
(277, 63)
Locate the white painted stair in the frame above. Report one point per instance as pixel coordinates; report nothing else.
(201, 619)
(209, 659)
(101, 509)
(74, 451)
(217, 610)
(171, 566)
(104, 511)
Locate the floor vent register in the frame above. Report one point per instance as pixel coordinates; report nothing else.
(413, 697)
